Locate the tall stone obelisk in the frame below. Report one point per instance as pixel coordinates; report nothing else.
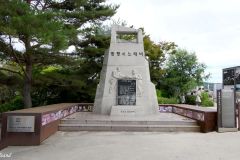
(125, 87)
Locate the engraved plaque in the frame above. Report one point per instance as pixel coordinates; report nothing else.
(228, 109)
(228, 76)
(20, 123)
(126, 92)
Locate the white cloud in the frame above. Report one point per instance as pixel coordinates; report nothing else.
(209, 27)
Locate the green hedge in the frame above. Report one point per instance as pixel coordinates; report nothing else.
(163, 100)
(191, 99)
(14, 104)
(206, 101)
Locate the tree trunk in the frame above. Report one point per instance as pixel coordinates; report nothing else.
(27, 99)
(27, 86)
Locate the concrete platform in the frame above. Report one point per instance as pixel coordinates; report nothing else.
(161, 122)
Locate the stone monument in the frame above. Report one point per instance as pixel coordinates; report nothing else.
(125, 87)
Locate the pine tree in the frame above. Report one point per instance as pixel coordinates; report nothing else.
(43, 28)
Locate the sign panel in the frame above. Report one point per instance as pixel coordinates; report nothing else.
(126, 92)
(20, 123)
(237, 75)
(228, 76)
(237, 80)
(228, 109)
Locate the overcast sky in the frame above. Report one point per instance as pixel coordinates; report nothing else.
(210, 28)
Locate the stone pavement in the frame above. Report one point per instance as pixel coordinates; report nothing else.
(161, 122)
(84, 116)
(132, 146)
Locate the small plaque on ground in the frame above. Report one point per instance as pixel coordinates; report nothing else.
(20, 123)
(126, 92)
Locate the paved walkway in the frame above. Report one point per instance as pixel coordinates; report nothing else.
(132, 146)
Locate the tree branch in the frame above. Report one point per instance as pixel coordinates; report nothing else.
(16, 57)
(44, 7)
(8, 52)
(9, 70)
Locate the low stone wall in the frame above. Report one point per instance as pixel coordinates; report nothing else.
(206, 117)
(44, 123)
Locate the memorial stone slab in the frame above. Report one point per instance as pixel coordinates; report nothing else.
(228, 109)
(125, 86)
(126, 92)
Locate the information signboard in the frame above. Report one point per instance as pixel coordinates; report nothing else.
(20, 123)
(126, 92)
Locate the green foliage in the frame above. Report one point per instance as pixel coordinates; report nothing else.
(45, 28)
(14, 104)
(206, 100)
(10, 80)
(183, 73)
(9, 86)
(56, 85)
(162, 93)
(163, 100)
(50, 69)
(5, 93)
(156, 54)
(159, 93)
(20, 20)
(191, 99)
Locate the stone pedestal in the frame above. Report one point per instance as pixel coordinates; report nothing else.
(125, 80)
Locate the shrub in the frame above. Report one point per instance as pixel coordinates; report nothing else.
(206, 101)
(162, 93)
(191, 99)
(159, 93)
(163, 100)
(14, 104)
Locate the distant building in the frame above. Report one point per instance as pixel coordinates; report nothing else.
(212, 88)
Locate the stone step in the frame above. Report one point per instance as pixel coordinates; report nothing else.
(134, 128)
(128, 122)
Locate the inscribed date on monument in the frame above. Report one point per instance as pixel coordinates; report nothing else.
(126, 92)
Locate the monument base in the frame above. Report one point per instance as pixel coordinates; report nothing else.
(122, 110)
(222, 130)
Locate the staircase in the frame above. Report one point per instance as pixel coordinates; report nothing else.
(145, 124)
